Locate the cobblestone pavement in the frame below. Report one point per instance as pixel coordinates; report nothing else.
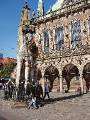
(61, 107)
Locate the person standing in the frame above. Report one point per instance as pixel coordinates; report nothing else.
(6, 91)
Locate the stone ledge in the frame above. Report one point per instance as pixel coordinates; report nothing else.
(12, 104)
(18, 105)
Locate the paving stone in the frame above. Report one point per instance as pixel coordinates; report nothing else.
(63, 108)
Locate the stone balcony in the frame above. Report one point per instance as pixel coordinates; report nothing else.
(66, 52)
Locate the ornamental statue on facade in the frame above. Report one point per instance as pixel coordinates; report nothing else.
(27, 50)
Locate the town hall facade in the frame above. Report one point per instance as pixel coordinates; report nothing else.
(62, 36)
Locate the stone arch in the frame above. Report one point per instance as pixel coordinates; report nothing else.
(86, 75)
(35, 74)
(69, 71)
(51, 73)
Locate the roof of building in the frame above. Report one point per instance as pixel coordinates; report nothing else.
(7, 60)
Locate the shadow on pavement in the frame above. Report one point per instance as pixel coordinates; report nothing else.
(2, 118)
(53, 100)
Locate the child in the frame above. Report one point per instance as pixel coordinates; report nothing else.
(33, 103)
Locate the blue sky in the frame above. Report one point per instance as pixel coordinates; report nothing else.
(10, 11)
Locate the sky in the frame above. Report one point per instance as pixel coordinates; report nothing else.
(10, 12)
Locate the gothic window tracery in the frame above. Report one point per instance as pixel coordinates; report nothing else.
(89, 25)
(59, 37)
(76, 34)
(46, 41)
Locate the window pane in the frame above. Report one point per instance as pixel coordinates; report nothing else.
(89, 25)
(76, 34)
(46, 42)
(59, 37)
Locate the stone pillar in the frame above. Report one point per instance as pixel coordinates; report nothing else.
(32, 74)
(26, 72)
(81, 80)
(43, 82)
(81, 84)
(61, 84)
(18, 72)
(60, 78)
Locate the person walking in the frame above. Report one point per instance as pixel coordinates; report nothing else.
(38, 93)
(46, 91)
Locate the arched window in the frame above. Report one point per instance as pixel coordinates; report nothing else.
(89, 25)
(76, 34)
(59, 37)
(46, 41)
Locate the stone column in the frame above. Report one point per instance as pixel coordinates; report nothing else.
(60, 78)
(18, 72)
(81, 84)
(61, 84)
(32, 74)
(26, 72)
(81, 80)
(43, 82)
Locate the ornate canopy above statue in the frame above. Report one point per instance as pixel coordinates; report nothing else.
(57, 5)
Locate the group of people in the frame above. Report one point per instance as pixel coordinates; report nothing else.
(34, 90)
(37, 95)
(8, 90)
